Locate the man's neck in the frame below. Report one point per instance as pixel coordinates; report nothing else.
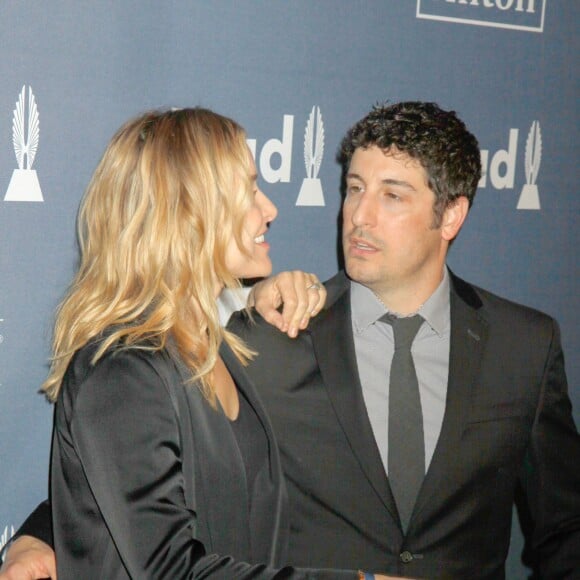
(407, 300)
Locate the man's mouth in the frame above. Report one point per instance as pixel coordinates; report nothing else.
(360, 244)
(259, 239)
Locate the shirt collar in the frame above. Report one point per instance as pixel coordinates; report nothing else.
(367, 308)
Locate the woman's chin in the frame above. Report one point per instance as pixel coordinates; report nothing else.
(258, 271)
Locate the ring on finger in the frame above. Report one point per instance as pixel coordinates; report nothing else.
(315, 286)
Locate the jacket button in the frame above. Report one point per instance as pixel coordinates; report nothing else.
(406, 557)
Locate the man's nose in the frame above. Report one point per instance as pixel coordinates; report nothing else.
(365, 212)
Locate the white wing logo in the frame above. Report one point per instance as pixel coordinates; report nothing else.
(5, 537)
(530, 197)
(25, 148)
(313, 144)
(24, 184)
(533, 153)
(311, 191)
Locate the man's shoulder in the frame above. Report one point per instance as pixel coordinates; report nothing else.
(256, 331)
(495, 307)
(336, 287)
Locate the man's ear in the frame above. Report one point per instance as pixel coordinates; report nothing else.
(453, 218)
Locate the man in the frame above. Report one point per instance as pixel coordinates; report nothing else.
(494, 415)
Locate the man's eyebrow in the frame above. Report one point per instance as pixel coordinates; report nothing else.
(398, 183)
(389, 181)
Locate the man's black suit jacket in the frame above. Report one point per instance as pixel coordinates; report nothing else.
(507, 427)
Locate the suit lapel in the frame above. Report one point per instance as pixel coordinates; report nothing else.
(334, 348)
(467, 344)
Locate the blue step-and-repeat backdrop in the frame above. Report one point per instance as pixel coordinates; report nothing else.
(71, 72)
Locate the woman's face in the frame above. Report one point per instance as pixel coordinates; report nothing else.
(255, 263)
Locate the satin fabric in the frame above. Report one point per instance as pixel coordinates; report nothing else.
(119, 480)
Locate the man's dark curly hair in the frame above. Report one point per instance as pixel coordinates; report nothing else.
(438, 139)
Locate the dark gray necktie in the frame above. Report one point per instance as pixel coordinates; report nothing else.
(406, 458)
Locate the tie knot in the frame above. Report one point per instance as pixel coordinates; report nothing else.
(404, 329)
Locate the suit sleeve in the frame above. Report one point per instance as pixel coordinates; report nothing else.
(126, 435)
(38, 524)
(551, 474)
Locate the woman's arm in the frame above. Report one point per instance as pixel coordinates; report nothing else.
(288, 300)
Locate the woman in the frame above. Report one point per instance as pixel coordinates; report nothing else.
(164, 463)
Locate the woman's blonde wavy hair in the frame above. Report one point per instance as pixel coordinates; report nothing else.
(167, 198)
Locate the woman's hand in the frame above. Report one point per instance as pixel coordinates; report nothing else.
(300, 294)
(28, 559)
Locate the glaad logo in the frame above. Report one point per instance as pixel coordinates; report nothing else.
(311, 190)
(283, 148)
(5, 537)
(24, 184)
(525, 15)
(311, 193)
(501, 169)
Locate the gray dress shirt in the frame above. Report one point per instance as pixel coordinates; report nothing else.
(374, 347)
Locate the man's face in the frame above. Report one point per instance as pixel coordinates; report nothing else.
(389, 242)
